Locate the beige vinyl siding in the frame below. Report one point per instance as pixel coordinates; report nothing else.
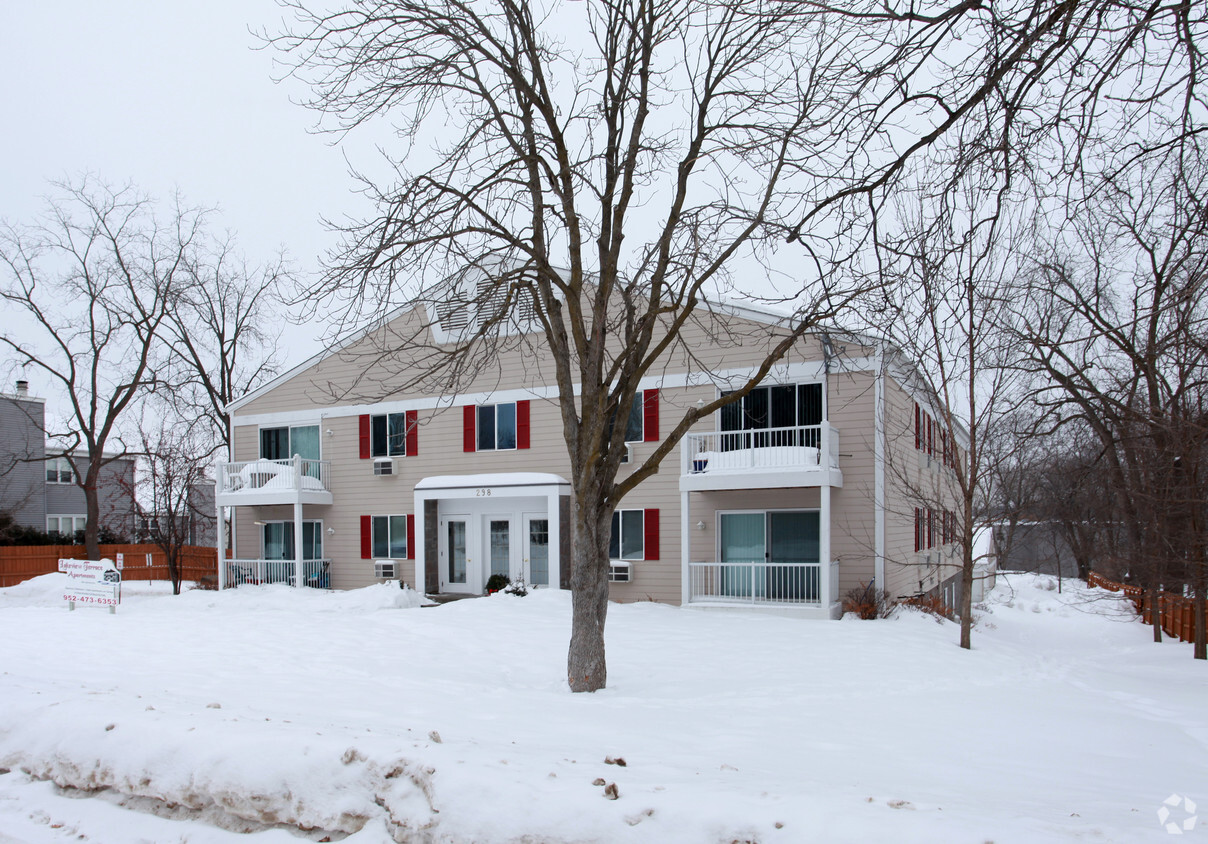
(737, 344)
(911, 483)
(851, 397)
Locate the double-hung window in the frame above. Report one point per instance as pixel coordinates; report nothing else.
(390, 435)
(635, 535)
(495, 427)
(388, 537)
(58, 471)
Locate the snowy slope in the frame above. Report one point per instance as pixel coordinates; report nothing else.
(357, 714)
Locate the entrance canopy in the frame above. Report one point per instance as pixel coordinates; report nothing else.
(448, 483)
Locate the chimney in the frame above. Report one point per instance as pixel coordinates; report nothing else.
(23, 388)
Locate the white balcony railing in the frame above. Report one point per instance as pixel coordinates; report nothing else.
(758, 583)
(267, 476)
(803, 447)
(256, 572)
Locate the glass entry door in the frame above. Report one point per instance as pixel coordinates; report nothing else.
(453, 555)
(772, 553)
(499, 545)
(536, 550)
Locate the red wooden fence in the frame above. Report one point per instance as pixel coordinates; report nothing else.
(1178, 612)
(21, 562)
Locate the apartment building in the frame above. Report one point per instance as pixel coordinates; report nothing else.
(830, 474)
(37, 484)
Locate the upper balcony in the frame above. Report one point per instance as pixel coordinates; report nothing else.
(765, 458)
(292, 481)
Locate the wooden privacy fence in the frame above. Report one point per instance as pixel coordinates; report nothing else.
(1177, 611)
(19, 563)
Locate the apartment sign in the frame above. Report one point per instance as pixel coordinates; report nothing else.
(91, 582)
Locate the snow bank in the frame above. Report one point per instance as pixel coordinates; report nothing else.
(331, 712)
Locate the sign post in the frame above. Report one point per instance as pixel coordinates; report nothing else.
(93, 582)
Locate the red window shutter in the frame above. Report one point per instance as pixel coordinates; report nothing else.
(918, 431)
(366, 535)
(411, 537)
(522, 423)
(469, 414)
(652, 533)
(650, 417)
(365, 437)
(412, 421)
(917, 524)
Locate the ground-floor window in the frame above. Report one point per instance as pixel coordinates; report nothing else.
(279, 540)
(65, 524)
(390, 537)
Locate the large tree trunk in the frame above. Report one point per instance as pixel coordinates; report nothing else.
(591, 521)
(92, 504)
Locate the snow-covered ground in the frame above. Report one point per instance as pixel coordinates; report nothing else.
(243, 716)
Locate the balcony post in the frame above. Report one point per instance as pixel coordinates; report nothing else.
(685, 548)
(220, 526)
(298, 574)
(824, 547)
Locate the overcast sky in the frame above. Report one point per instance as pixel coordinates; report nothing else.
(169, 95)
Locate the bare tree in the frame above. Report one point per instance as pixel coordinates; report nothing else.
(223, 331)
(1117, 323)
(951, 266)
(606, 167)
(173, 490)
(92, 284)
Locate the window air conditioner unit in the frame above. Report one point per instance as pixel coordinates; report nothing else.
(619, 572)
(383, 466)
(627, 455)
(384, 569)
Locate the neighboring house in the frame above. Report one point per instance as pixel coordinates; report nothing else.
(37, 485)
(810, 486)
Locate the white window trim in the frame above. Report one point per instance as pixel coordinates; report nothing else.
(60, 463)
(515, 426)
(290, 524)
(787, 383)
(763, 511)
(620, 540)
(373, 416)
(60, 516)
(372, 549)
(291, 425)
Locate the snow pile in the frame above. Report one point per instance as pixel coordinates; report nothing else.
(267, 707)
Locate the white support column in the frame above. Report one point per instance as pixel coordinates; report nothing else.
(824, 548)
(685, 549)
(553, 507)
(298, 573)
(421, 541)
(220, 528)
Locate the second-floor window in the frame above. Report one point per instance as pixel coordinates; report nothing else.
(58, 471)
(389, 435)
(495, 427)
(781, 408)
(283, 443)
